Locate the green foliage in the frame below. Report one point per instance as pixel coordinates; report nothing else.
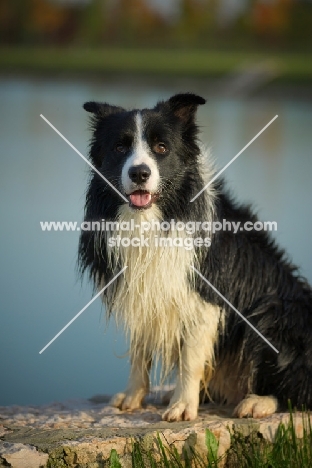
(114, 459)
(212, 445)
(251, 451)
(168, 62)
(92, 24)
(137, 455)
(287, 451)
(197, 23)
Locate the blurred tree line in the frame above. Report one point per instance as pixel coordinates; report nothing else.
(200, 23)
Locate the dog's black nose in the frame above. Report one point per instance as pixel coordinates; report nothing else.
(139, 174)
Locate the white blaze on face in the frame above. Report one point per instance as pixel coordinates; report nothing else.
(140, 155)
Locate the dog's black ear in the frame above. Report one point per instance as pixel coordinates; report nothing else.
(185, 105)
(101, 109)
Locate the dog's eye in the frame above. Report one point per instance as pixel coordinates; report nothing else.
(121, 148)
(160, 148)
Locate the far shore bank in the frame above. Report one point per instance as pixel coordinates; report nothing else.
(284, 67)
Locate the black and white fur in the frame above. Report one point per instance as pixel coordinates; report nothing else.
(153, 157)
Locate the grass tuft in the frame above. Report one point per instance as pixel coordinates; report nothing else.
(287, 451)
(251, 451)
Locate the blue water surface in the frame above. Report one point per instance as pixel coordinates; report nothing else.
(43, 179)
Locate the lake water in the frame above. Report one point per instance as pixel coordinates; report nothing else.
(43, 179)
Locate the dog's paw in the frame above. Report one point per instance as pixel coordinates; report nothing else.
(125, 401)
(254, 406)
(180, 411)
(117, 400)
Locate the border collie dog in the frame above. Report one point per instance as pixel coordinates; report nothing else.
(154, 160)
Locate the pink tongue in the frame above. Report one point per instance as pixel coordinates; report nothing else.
(140, 198)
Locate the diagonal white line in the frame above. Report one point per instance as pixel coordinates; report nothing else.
(232, 160)
(85, 159)
(82, 310)
(235, 310)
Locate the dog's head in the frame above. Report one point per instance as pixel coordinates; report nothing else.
(143, 153)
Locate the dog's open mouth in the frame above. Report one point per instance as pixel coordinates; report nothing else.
(142, 199)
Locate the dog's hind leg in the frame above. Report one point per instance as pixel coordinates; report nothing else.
(255, 406)
(138, 385)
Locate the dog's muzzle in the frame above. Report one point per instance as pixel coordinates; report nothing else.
(139, 175)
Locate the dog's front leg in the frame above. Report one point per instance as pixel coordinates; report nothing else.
(196, 351)
(138, 385)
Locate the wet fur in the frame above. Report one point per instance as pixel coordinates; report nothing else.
(170, 312)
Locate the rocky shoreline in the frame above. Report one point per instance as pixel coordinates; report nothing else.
(82, 433)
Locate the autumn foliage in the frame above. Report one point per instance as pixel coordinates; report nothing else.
(140, 23)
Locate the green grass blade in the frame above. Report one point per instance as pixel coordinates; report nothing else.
(212, 445)
(114, 459)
